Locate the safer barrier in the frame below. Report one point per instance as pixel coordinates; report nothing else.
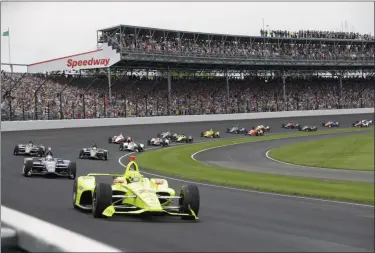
(79, 123)
(34, 235)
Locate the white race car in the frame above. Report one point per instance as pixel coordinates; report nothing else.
(118, 139)
(132, 146)
(93, 153)
(362, 123)
(159, 142)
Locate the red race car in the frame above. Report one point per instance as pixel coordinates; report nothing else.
(118, 139)
(255, 132)
(290, 125)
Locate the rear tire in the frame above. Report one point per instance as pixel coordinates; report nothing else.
(189, 196)
(109, 140)
(81, 154)
(72, 167)
(101, 199)
(75, 194)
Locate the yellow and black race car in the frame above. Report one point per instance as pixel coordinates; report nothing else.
(211, 134)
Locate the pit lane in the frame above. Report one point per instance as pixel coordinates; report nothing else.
(231, 220)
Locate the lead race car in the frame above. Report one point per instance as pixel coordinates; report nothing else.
(49, 166)
(331, 124)
(133, 194)
(363, 123)
(132, 146)
(94, 153)
(118, 139)
(308, 128)
(159, 142)
(29, 149)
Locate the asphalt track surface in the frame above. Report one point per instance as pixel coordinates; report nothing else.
(230, 220)
(252, 157)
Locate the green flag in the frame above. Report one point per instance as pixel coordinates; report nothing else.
(6, 33)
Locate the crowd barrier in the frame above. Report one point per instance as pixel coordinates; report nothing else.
(34, 235)
(80, 123)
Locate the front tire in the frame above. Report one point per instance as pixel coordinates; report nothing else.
(72, 167)
(189, 196)
(16, 150)
(28, 166)
(109, 140)
(101, 199)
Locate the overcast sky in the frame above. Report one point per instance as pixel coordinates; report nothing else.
(42, 31)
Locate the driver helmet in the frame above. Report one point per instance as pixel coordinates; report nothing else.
(30, 142)
(49, 148)
(49, 158)
(119, 180)
(133, 177)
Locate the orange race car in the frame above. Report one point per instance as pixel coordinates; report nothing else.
(255, 132)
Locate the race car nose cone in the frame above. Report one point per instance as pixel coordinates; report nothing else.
(132, 158)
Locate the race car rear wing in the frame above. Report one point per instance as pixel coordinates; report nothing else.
(105, 175)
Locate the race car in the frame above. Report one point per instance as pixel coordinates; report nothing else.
(166, 135)
(119, 139)
(49, 166)
(331, 124)
(133, 194)
(210, 134)
(308, 128)
(29, 149)
(255, 132)
(158, 142)
(93, 153)
(132, 146)
(183, 138)
(290, 125)
(236, 130)
(363, 123)
(264, 128)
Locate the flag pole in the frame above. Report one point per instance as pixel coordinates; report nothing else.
(10, 62)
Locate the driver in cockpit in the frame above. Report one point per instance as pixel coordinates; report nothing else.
(94, 146)
(31, 143)
(49, 152)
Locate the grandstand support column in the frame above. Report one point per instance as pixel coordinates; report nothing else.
(83, 97)
(227, 83)
(341, 92)
(284, 92)
(60, 97)
(169, 85)
(109, 86)
(36, 99)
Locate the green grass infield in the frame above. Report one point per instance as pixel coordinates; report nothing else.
(353, 152)
(177, 162)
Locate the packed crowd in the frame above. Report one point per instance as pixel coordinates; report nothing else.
(251, 48)
(314, 34)
(141, 96)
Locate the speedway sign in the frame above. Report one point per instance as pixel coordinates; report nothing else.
(101, 58)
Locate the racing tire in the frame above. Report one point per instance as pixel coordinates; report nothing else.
(75, 194)
(323, 124)
(283, 126)
(109, 140)
(202, 134)
(148, 142)
(81, 154)
(105, 156)
(72, 168)
(227, 130)
(15, 150)
(41, 152)
(120, 148)
(101, 199)
(189, 196)
(28, 166)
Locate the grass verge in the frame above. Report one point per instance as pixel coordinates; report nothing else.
(354, 152)
(177, 162)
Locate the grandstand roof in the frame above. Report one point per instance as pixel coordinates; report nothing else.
(227, 36)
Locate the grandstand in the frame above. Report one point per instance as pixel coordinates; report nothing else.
(140, 71)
